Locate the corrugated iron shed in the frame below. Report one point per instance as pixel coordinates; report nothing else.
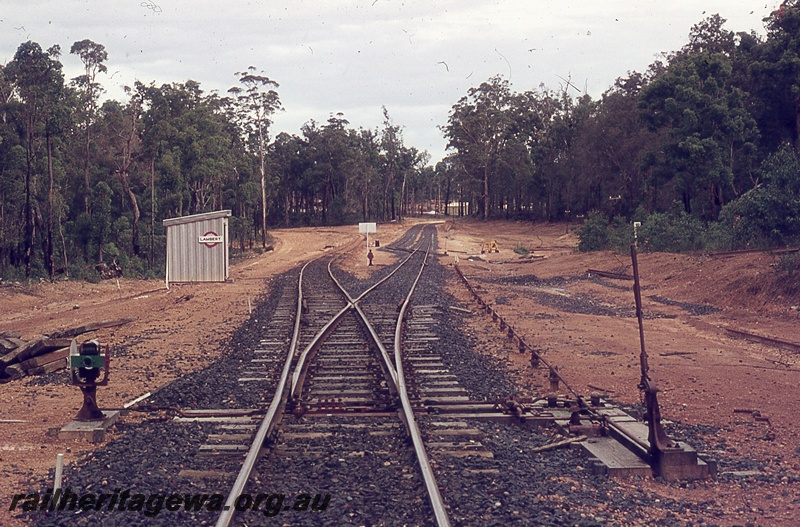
(197, 247)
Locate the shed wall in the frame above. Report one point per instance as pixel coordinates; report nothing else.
(188, 260)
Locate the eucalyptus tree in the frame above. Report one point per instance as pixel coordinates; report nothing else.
(445, 177)
(38, 83)
(329, 149)
(257, 102)
(93, 56)
(286, 157)
(150, 144)
(711, 134)
(776, 71)
(477, 128)
(368, 160)
(391, 144)
(59, 121)
(541, 122)
(12, 173)
(190, 139)
(206, 146)
(610, 147)
(413, 162)
(122, 149)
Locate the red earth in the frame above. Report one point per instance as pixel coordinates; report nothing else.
(744, 391)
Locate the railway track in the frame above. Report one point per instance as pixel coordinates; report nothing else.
(367, 376)
(338, 400)
(337, 365)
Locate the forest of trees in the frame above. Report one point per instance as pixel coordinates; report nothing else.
(705, 140)
(694, 128)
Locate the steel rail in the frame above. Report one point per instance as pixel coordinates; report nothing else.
(432, 488)
(375, 286)
(301, 368)
(386, 361)
(386, 365)
(287, 390)
(550, 368)
(270, 419)
(592, 412)
(435, 497)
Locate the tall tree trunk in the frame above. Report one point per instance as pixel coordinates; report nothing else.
(28, 207)
(287, 203)
(447, 198)
(486, 191)
(49, 252)
(63, 244)
(402, 197)
(325, 205)
(126, 188)
(263, 185)
(797, 125)
(365, 197)
(87, 189)
(152, 210)
(388, 207)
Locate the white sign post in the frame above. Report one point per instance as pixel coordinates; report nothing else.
(366, 228)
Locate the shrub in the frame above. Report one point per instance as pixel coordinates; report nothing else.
(768, 215)
(620, 234)
(675, 231)
(593, 234)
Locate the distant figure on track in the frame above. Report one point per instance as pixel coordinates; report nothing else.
(369, 256)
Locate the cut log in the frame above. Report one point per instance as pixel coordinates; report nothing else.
(17, 341)
(764, 340)
(13, 372)
(10, 333)
(74, 332)
(48, 368)
(46, 346)
(41, 360)
(33, 349)
(49, 362)
(10, 343)
(6, 345)
(13, 355)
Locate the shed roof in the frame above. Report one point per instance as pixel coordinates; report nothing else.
(197, 217)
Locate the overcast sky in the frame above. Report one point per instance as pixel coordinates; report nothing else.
(416, 57)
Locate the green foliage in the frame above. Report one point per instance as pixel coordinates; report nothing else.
(620, 234)
(768, 215)
(711, 135)
(675, 231)
(593, 234)
(691, 129)
(240, 230)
